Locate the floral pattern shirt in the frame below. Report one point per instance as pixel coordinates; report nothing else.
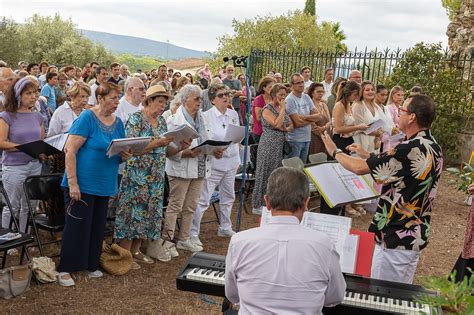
(410, 174)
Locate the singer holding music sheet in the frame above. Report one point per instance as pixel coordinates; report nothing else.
(90, 179)
(223, 170)
(409, 174)
(19, 125)
(283, 267)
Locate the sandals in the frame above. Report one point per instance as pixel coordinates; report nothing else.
(360, 209)
(351, 212)
(142, 258)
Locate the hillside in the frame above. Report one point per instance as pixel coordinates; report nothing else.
(121, 44)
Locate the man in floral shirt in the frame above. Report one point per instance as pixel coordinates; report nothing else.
(409, 174)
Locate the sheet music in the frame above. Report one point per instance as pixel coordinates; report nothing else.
(180, 133)
(209, 146)
(335, 227)
(57, 141)
(234, 133)
(378, 124)
(348, 258)
(126, 144)
(339, 186)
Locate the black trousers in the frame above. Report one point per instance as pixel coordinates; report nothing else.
(83, 233)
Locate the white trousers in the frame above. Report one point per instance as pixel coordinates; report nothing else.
(225, 180)
(397, 265)
(13, 178)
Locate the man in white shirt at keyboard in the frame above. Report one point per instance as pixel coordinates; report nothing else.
(283, 267)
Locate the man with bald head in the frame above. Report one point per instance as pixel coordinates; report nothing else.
(131, 101)
(6, 78)
(356, 76)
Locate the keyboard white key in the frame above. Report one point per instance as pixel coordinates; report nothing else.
(384, 303)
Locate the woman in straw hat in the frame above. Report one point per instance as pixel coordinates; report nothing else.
(140, 203)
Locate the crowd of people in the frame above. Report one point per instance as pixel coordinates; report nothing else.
(97, 104)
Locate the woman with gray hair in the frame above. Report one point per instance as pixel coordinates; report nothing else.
(186, 173)
(223, 170)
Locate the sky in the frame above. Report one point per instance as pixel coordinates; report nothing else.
(198, 24)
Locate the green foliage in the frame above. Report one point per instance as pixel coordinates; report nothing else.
(465, 175)
(338, 33)
(135, 62)
(9, 35)
(310, 7)
(454, 298)
(293, 31)
(451, 6)
(426, 65)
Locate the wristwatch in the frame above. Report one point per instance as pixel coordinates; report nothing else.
(335, 152)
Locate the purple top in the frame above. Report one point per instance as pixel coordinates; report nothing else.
(23, 128)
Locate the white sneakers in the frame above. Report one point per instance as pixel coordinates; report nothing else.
(189, 246)
(162, 250)
(65, 279)
(196, 240)
(225, 233)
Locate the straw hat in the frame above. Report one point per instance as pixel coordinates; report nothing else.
(157, 90)
(115, 260)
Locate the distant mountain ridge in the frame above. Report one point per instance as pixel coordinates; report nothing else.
(122, 44)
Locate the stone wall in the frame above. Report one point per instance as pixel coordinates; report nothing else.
(460, 33)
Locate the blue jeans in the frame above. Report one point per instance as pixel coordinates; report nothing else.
(299, 149)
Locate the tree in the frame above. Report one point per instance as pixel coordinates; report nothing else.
(451, 6)
(11, 45)
(338, 33)
(426, 65)
(293, 31)
(135, 62)
(310, 7)
(49, 39)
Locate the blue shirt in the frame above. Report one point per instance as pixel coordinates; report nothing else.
(50, 94)
(303, 106)
(96, 173)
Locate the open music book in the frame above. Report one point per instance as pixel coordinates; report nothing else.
(48, 146)
(209, 146)
(339, 186)
(137, 144)
(336, 228)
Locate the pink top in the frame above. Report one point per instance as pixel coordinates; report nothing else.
(204, 74)
(393, 110)
(257, 125)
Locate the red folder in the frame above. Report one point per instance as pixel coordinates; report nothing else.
(364, 252)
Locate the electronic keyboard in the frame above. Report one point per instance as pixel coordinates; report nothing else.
(205, 273)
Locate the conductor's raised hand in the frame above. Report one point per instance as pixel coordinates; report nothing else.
(359, 150)
(328, 143)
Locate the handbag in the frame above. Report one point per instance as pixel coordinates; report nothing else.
(115, 260)
(14, 281)
(44, 269)
(286, 148)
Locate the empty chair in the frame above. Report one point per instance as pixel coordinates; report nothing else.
(46, 188)
(294, 162)
(319, 157)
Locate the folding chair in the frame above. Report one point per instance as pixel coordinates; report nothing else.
(20, 242)
(320, 157)
(213, 201)
(46, 188)
(250, 171)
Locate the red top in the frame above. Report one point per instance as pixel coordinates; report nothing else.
(257, 125)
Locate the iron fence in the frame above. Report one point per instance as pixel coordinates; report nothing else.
(375, 65)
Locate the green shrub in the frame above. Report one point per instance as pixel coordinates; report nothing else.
(426, 65)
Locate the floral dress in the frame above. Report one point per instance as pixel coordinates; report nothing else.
(140, 205)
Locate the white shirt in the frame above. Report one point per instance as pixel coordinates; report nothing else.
(125, 109)
(92, 99)
(327, 89)
(62, 119)
(283, 268)
(216, 129)
(307, 84)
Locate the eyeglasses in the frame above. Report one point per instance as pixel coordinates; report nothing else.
(221, 95)
(69, 208)
(401, 109)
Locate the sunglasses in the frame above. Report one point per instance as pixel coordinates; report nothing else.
(69, 208)
(221, 95)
